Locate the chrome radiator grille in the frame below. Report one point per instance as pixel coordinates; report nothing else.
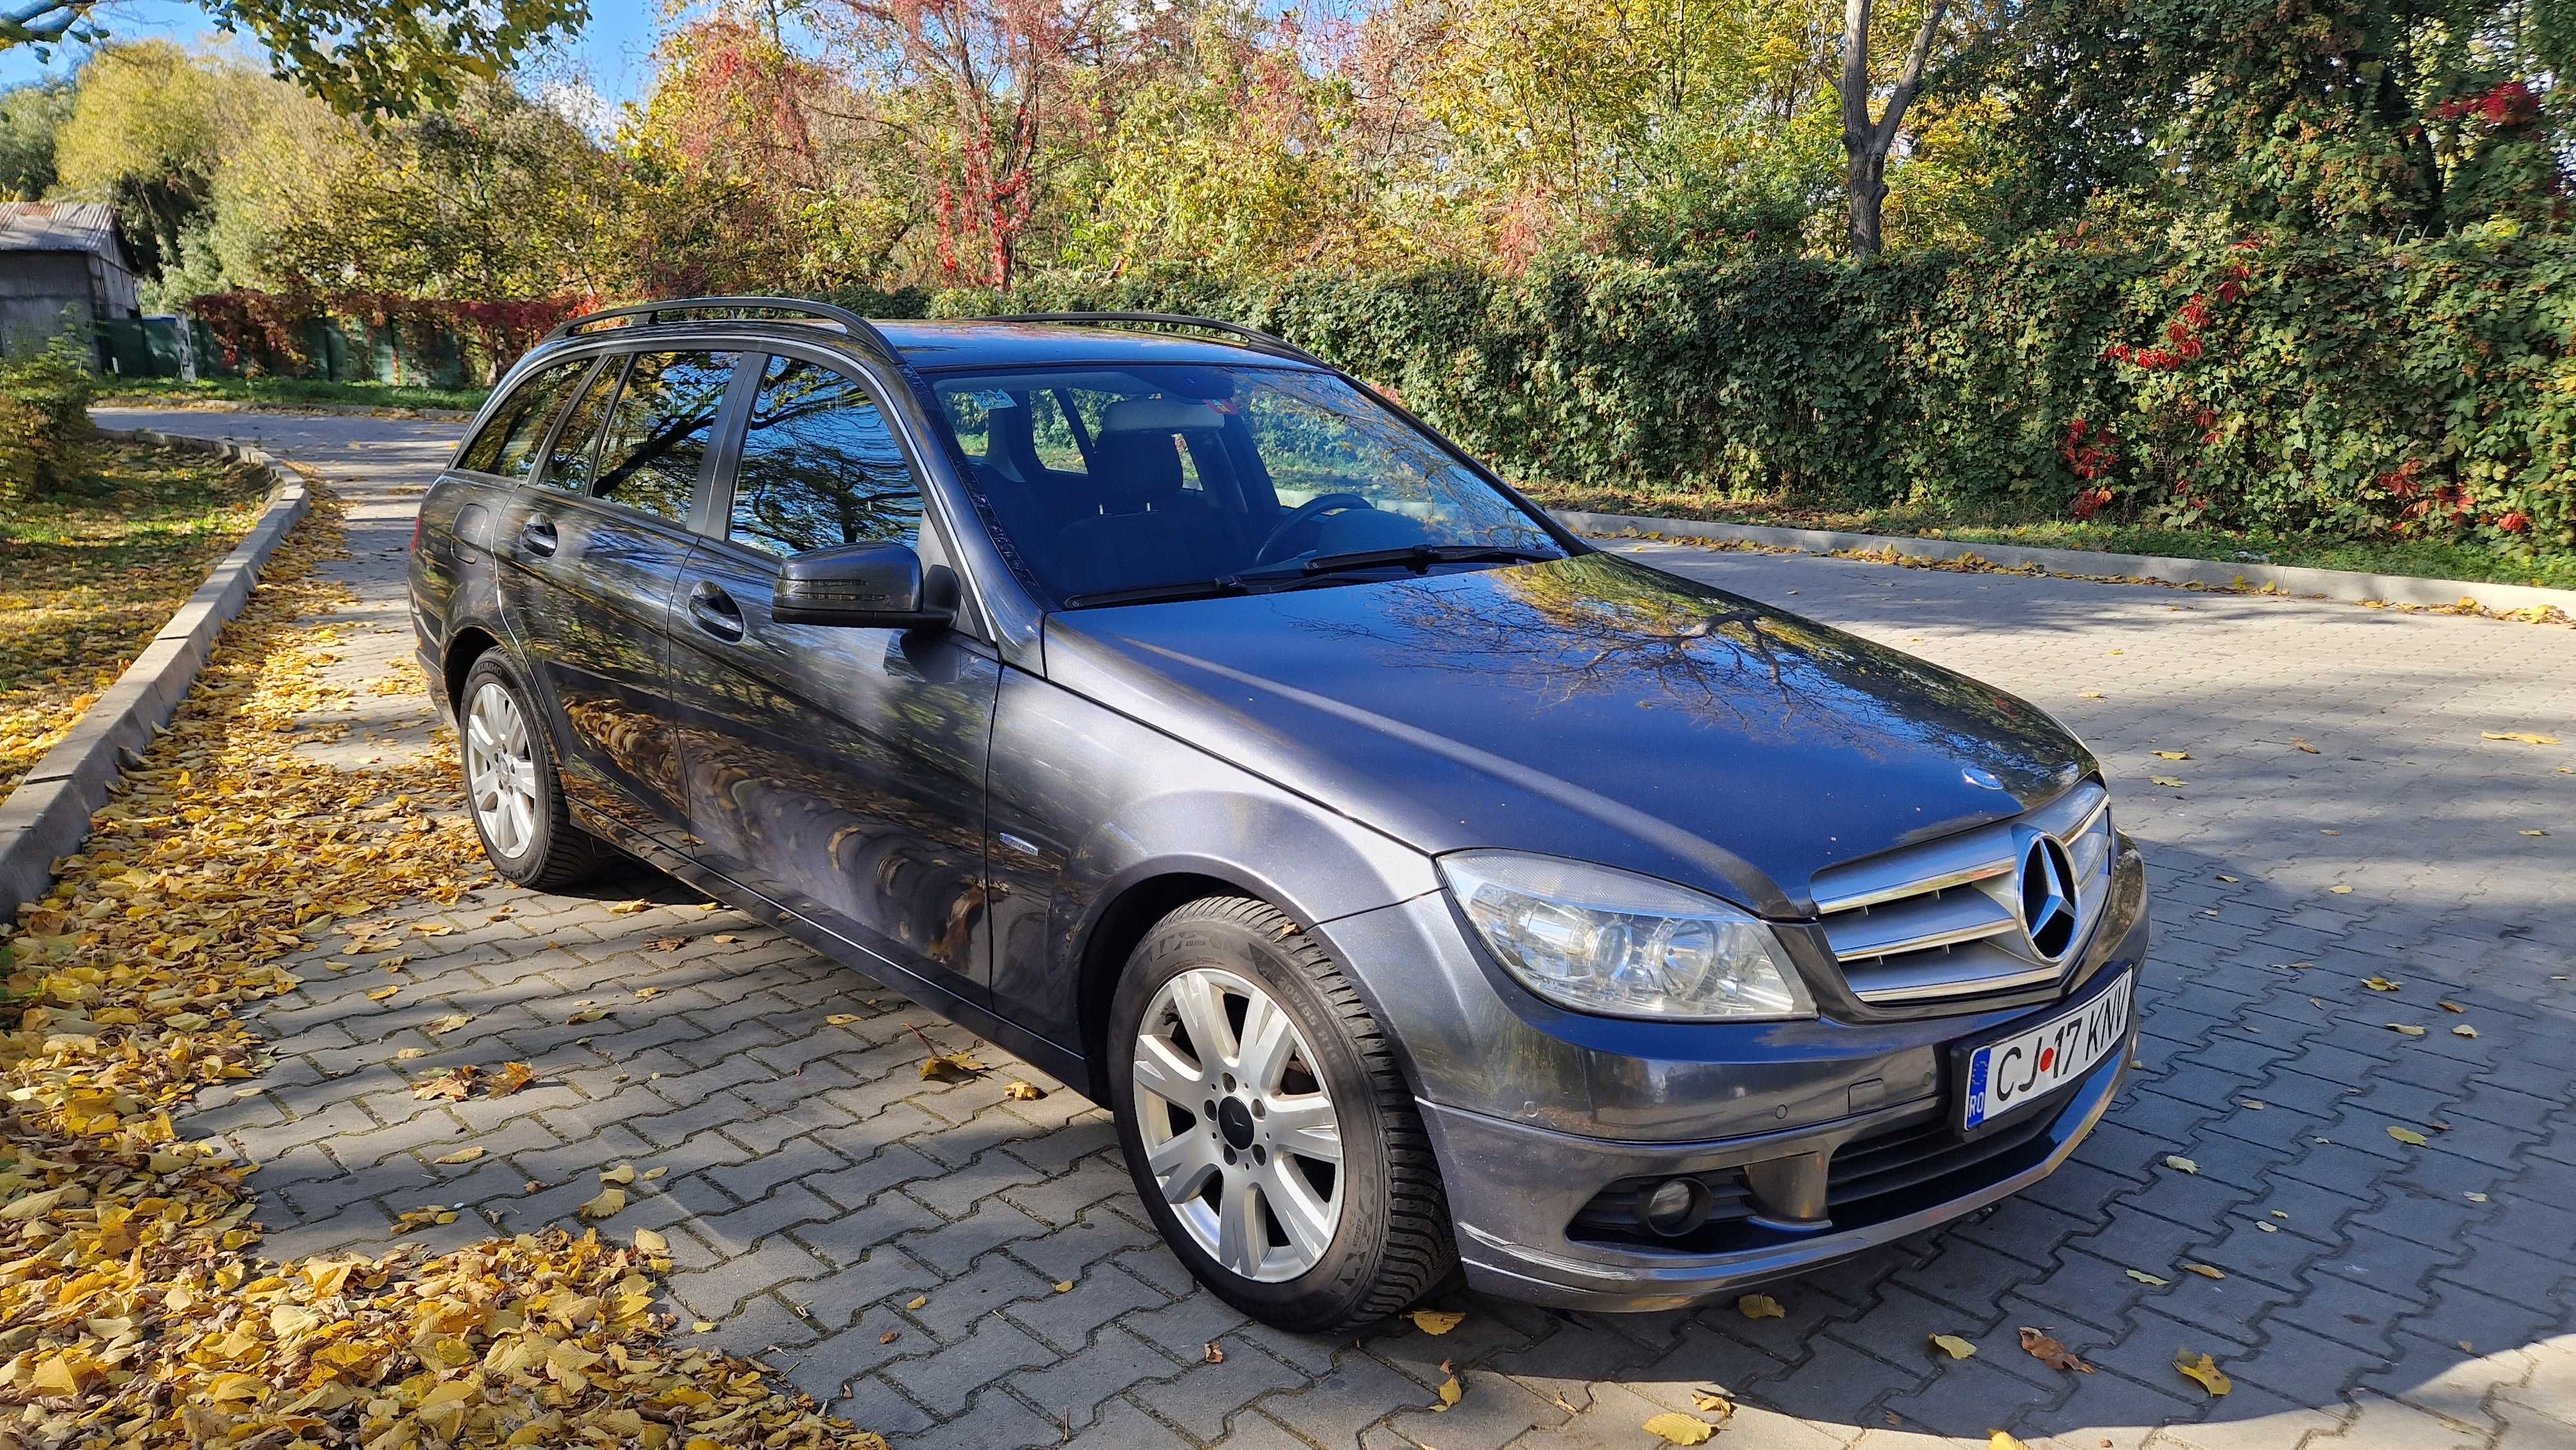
(1982, 911)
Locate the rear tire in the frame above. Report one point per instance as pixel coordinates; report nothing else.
(511, 789)
(1276, 1147)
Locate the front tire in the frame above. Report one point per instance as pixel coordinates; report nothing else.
(1268, 1130)
(511, 789)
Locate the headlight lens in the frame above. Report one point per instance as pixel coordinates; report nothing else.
(1599, 940)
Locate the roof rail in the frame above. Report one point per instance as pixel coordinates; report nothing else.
(645, 314)
(1259, 339)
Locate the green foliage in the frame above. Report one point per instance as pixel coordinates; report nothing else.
(44, 417)
(2319, 385)
(30, 117)
(363, 57)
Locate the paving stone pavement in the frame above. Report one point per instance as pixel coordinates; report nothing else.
(2344, 818)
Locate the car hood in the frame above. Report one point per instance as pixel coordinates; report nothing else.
(1589, 707)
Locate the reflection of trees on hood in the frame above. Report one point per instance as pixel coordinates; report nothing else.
(1597, 625)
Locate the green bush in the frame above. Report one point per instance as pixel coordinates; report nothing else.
(44, 418)
(2336, 386)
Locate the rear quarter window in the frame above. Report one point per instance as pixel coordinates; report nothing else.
(507, 446)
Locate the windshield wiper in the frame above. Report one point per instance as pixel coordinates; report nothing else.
(1216, 588)
(1423, 556)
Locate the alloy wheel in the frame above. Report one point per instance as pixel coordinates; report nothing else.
(501, 770)
(1239, 1130)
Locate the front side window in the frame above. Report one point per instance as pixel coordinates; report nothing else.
(507, 446)
(820, 466)
(568, 463)
(1113, 483)
(657, 434)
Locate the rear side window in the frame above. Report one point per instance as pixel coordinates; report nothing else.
(577, 441)
(820, 467)
(657, 436)
(507, 445)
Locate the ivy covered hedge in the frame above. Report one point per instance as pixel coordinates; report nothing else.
(2353, 387)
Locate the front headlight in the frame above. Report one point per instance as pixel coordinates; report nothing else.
(1599, 940)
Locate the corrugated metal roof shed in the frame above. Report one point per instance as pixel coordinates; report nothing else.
(60, 226)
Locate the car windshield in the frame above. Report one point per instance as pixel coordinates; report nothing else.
(1113, 485)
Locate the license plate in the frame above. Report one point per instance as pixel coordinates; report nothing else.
(2004, 1074)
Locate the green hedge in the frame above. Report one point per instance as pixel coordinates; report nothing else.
(44, 418)
(2353, 387)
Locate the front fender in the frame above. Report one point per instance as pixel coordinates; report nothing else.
(1095, 818)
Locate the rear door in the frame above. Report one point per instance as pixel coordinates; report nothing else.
(461, 514)
(595, 550)
(840, 772)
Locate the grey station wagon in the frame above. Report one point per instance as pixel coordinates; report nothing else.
(1423, 889)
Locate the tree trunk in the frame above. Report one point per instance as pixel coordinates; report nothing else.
(1866, 142)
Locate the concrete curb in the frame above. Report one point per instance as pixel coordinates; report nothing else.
(2337, 584)
(47, 816)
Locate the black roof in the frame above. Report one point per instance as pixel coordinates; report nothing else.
(1025, 340)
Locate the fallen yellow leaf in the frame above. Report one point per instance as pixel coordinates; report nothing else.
(2380, 984)
(2173, 755)
(2143, 1277)
(2406, 1029)
(609, 1203)
(461, 1155)
(1021, 1092)
(448, 1023)
(919, 1301)
(1953, 1346)
(622, 1173)
(1064, 1286)
(2203, 1370)
(2464, 1030)
(381, 993)
(2409, 1137)
(2525, 736)
(840, 1019)
(1674, 1428)
(951, 1067)
(2168, 782)
(2004, 1440)
(1436, 1321)
(2205, 1271)
(649, 1242)
(1760, 1306)
(1451, 1392)
(2339, 890)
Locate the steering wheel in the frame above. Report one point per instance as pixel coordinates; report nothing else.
(1313, 508)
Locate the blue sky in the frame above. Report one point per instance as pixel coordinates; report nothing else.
(613, 53)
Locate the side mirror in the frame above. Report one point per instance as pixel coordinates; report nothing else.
(864, 586)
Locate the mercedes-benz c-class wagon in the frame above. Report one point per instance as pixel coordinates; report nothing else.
(1424, 890)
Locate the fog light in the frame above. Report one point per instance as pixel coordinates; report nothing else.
(1674, 1207)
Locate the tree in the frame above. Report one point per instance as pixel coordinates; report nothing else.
(31, 116)
(997, 77)
(1867, 142)
(147, 129)
(364, 57)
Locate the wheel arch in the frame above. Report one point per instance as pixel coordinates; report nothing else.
(465, 644)
(1141, 898)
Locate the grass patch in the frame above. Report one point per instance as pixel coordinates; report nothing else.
(289, 393)
(90, 574)
(2422, 559)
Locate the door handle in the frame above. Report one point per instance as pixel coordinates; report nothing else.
(537, 536)
(715, 611)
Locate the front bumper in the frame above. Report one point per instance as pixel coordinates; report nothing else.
(1513, 1191)
(1538, 1118)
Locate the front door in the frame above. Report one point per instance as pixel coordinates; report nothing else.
(595, 550)
(840, 772)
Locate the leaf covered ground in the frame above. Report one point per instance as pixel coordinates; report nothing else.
(89, 575)
(135, 1308)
